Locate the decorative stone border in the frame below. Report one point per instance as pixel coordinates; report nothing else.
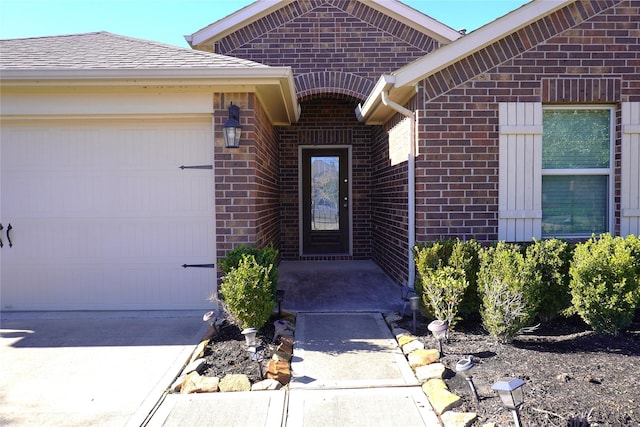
(429, 372)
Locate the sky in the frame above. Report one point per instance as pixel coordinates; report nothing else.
(167, 21)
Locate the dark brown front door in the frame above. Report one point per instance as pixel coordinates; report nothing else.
(325, 200)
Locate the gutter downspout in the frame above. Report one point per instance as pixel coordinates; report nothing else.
(411, 181)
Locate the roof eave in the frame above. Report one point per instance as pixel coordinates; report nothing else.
(372, 111)
(274, 86)
(394, 8)
(416, 20)
(236, 20)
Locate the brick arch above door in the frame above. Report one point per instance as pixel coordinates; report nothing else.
(316, 83)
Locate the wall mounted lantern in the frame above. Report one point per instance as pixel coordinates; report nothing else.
(512, 395)
(232, 128)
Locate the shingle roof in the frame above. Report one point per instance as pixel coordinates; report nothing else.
(106, 51)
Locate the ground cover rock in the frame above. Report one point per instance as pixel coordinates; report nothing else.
(279, 371)
(195, 383)
(199, 351)
(405, 339)
(439, 396)
(412, 346)
(429, 372)
(235, 382)
(423, 357)
(458, 419)
(196, 366)
(398, 332)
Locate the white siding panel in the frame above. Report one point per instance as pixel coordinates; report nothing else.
(103, 218)
(520, 176)
(630, 184)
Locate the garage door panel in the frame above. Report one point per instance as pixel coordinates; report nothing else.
(103, 218)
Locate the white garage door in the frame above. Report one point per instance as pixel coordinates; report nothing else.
(103, 218)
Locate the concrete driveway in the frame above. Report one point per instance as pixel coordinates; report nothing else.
(89, 369)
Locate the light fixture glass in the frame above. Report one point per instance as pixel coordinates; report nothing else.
(232, 128)
(511, 393)
(250, 336)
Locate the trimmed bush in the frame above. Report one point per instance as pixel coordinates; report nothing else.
(604, 284)
(266, 257)
(247, 292)
(507, 304)
(446, 268)
(547, 263)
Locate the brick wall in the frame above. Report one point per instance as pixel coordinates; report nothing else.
(247, 181)
(588, 52)
(326, 121)
(333, 46)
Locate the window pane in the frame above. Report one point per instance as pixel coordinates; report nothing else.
(325, 171)
(574, 205)
(575, 139)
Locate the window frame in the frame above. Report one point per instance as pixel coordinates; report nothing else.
(609, 172)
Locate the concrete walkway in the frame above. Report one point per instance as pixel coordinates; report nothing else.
(347, 371)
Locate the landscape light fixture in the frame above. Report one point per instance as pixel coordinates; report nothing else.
(512, 395)
(232, 128)
(279, 299)
(439, 330)
(465, 367)
(210, 318)
(414, 301)
(256, 354)
(250, 336)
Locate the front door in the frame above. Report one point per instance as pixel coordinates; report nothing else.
(325, 201)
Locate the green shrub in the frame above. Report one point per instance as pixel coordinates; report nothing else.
(247, 292)
(506, 294)
(266, 257)
(604, 284)
(547, 264)
(464, 255)
(445, 268)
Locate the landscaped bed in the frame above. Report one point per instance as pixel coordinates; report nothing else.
(569, 370)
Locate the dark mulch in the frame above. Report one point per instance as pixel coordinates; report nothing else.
(569, 370)
(227, 352)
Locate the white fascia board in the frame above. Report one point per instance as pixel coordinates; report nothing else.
(236, 20)
(384, 84)
(415, 19)
(253, 79)
(12, 77)
(476, 40)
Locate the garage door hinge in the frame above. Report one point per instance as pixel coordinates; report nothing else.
(199, 265)
(197, 167)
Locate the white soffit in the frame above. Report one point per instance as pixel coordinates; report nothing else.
(394, 8)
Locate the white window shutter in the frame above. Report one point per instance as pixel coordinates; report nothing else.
(630, 182)
(520, 177)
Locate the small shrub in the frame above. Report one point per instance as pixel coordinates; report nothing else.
(464, 255)
(604, 284)
(443, 293)
(444, 268)
(547, 265)
(266, 257)
(506, 296)
(247, 294)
